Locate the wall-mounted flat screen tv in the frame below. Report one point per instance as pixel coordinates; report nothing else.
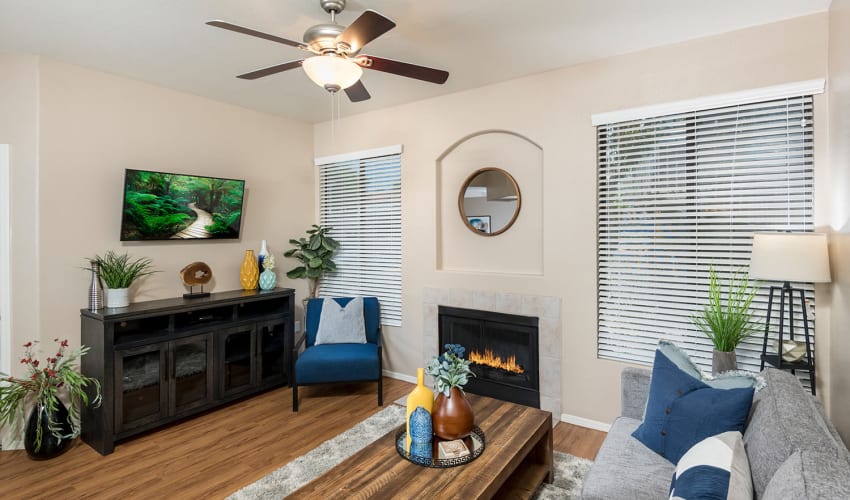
(163, 206)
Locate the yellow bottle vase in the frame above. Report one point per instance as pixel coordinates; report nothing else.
(421, 396)
(249, 272)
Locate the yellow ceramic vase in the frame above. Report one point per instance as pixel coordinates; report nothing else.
(421, 396)
(249, 272)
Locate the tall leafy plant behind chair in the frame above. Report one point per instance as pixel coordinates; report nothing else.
(315, 253)
(727, 324)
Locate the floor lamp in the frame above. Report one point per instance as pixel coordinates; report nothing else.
(787, 257)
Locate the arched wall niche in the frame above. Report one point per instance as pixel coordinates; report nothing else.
(519, 250)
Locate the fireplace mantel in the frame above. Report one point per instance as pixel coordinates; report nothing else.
(546, 309)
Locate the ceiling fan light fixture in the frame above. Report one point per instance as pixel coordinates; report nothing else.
(331, 72)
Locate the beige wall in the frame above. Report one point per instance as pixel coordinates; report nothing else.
(521, 248)
(839, 160)
(77, 131)
(553, 110)
(19, 129)
(19, 101)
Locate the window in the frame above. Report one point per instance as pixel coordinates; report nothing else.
(682, 192)
(360, 198)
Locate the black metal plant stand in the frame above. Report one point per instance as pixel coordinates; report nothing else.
(776, 359)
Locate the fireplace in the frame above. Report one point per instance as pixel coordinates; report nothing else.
(503, 349)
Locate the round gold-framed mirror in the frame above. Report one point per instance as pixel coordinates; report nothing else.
(489, 201)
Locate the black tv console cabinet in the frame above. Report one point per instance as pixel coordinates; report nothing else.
(163, 360)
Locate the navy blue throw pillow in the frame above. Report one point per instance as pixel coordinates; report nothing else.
(683, 411)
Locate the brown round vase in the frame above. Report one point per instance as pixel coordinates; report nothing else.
(452, 416)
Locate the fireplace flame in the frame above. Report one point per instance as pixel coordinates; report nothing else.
(489, 358)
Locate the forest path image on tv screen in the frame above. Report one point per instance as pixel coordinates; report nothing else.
(161, 206)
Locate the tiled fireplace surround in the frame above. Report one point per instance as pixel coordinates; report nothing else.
(547, 309)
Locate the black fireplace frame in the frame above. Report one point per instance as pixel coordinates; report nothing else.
(528, 395)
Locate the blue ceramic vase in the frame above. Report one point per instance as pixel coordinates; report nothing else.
(421, 430)
(424, 451)
(268, 279)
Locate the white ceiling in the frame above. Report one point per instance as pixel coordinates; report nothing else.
(478, 41)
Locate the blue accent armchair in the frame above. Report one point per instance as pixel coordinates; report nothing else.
(339, 363)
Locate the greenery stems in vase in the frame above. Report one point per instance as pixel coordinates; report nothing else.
(450, 369)
(315, 253)
(268, 262)
(45, 382)
(120, 271)
(728, 319)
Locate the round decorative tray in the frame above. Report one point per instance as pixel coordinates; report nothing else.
(475, 443)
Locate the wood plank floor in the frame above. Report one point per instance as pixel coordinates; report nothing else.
(215, 454)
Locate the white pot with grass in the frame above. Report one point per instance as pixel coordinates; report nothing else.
(117, 297)
(118, 272)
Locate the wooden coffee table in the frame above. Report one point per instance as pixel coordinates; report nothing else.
(516, 460)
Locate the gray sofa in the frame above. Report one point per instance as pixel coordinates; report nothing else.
(793, 449)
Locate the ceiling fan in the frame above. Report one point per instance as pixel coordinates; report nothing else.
(336, 63)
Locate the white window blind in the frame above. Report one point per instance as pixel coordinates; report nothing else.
(360, 198)
(682, 192)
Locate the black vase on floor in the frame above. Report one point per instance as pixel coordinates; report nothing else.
(51, 446)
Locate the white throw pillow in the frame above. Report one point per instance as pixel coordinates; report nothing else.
(341, 325)
(716, 467)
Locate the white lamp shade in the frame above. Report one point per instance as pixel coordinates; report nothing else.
(801, 257)
(332, 71)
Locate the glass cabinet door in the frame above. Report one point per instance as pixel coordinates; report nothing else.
(141, 391)
(192, 377)
(273, 367)
(237, 364)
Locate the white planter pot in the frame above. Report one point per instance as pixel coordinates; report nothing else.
(117, 297)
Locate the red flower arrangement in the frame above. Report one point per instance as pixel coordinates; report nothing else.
(43, 386)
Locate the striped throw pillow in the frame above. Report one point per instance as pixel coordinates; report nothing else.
(715, 468)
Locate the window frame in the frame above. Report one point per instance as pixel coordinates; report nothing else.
(697, 343)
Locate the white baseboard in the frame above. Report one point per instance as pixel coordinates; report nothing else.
(585, 422)
(400, 376)
(9, 442)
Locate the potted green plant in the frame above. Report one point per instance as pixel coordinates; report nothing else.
(315, 253)
(118, 272)
(50, 426)
(727, 318)
(451, 416)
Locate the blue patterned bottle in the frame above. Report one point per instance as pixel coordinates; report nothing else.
(420, 426)
(264, 252)
(421, 433)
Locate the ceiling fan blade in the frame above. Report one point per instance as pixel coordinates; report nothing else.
(271, 70)
(259, 34)
(357, 92)
(369, 26)
(403, 69)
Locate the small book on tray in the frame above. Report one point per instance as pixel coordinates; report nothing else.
(452, 449)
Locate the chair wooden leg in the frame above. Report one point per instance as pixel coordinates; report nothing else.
(294, 397)
(381, 391)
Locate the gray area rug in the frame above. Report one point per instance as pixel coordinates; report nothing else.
(569, 470)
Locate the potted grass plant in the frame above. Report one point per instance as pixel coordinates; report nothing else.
(727, 319)
(118, 272)
(315, 253)
(51, 425)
